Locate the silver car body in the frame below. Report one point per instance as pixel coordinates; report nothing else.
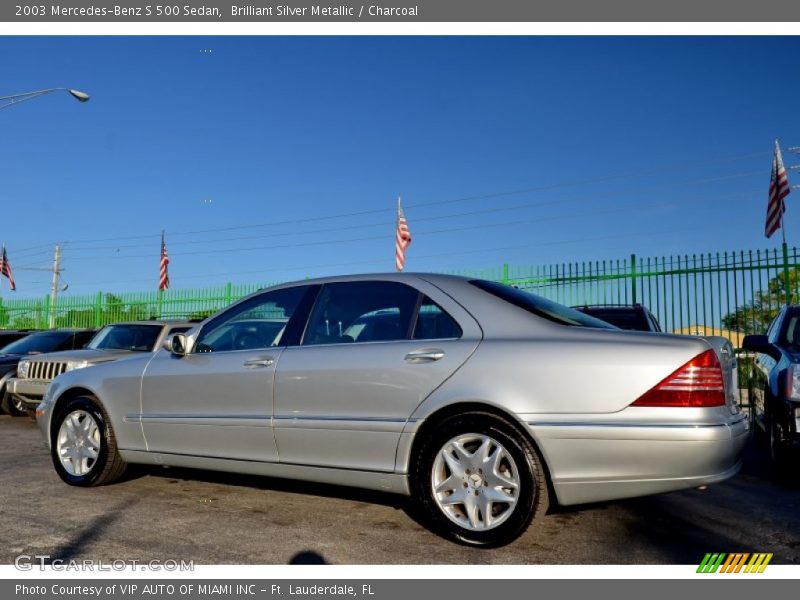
(44, 368)
(349, 414)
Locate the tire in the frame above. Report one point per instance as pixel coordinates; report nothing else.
(778, 449)
(447, 458)
(759, 435)
(92, 442)
(12, 407)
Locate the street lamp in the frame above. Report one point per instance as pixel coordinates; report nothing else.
(6, 101)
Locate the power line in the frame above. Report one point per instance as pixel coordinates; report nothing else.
(421, 219)
(425, 256)
(489, 196)
(218, 251)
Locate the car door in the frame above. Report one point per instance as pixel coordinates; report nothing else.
(372, 351)
(216, 401)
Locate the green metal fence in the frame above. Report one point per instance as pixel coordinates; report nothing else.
(721, 293)
(104, 308)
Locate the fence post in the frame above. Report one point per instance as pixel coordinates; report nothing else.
(160, 303)
(786, 273)
(633, 279)
(46, 312)
(98, 309)
(505, 273)
(228, 293)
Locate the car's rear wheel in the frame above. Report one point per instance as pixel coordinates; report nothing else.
(84, 448)
(12, 406)
(478, 480)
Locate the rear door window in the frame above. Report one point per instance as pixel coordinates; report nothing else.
(362, 311)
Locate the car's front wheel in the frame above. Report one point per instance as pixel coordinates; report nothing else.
(478, 480)
(778, 447)
(84, 448)
(12, 406)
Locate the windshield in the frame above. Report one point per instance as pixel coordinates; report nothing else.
(542, 307)
(135, 337)
(37, 343)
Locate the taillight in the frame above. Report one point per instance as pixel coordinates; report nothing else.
(697, 383)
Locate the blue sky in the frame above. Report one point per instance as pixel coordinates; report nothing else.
(526, 150)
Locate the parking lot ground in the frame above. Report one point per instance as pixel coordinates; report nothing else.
(215, 518)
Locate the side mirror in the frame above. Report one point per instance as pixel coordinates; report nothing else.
(178, 344)
(760, 344)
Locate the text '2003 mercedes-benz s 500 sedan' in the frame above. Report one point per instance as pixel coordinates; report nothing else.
(482, 402)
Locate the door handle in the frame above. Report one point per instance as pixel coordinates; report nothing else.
(259, 362)
(424, 355)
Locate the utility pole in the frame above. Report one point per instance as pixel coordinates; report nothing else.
(54, 286)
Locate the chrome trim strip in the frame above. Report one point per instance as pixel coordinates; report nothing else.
(141, 417)
(202, 420)
(336, 418)
(236, 419)
(649, 425)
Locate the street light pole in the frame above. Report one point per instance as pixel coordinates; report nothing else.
(7, 101)
(12, 100)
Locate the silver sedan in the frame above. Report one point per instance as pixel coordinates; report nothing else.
(484, 403)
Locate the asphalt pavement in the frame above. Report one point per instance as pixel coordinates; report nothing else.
(214, 518)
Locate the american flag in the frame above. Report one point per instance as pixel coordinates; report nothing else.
(163, 277)
(778, 190)
(5, 269)
(402, 238)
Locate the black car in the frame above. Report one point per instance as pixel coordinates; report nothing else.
(12, 335)
(775, 397)
(634, 317)
(38, 342)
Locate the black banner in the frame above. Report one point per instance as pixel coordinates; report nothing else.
(145, 11)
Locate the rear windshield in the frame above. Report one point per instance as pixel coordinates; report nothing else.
(624, 318)
(541, 307)
(37, 343)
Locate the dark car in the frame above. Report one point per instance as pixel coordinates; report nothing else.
(633, 317)
(38, 342)
(12, 335)
(775, 398)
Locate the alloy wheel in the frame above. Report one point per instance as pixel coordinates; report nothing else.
(78, 443)
(475, 482)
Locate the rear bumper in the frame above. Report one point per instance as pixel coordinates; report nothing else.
(28, 391)
(592, 462)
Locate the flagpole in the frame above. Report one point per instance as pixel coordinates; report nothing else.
(397, 225)
(160, 291)
(784, 246)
